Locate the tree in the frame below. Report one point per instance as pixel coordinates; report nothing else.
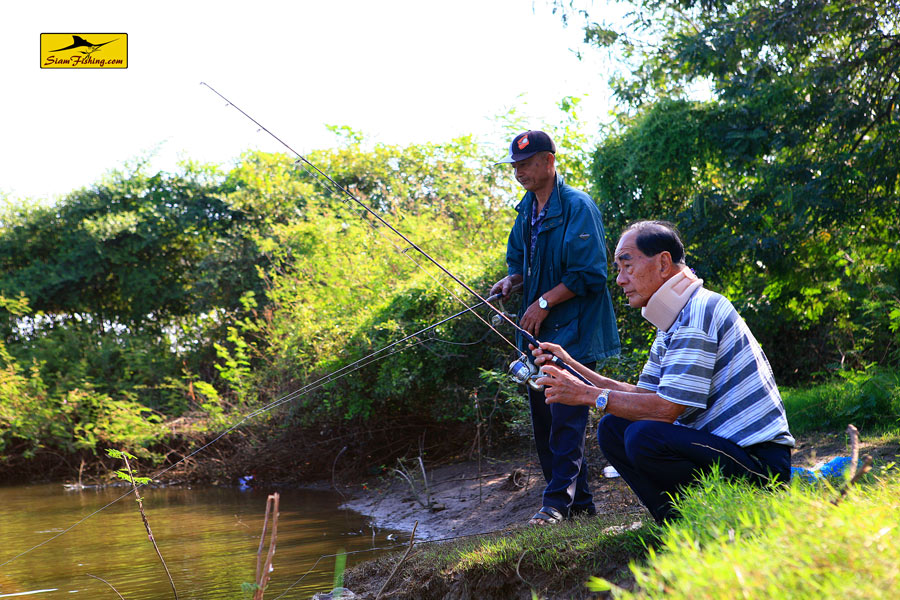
(126, 251)
(785, 179)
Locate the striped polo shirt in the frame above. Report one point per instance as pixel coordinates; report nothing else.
(710, 362)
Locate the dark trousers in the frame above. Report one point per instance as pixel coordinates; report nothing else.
(658, 459)
(559, 437)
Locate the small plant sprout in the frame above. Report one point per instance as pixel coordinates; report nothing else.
(128, 475)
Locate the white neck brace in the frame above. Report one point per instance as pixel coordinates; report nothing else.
(664, 305)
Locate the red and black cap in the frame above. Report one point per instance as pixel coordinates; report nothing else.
(525, 145)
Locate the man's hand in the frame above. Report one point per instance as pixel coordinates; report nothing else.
(543, 354)
(564, 388)
(506, 285)
(532, 319)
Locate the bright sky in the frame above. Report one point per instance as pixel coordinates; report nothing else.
(401, 71)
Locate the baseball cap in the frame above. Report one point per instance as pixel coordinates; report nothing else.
(525, 145)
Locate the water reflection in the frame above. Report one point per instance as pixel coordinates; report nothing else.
(208, 536)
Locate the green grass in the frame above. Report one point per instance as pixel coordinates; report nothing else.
(869, 399)
(580, 542)
(513, 563)
(737, 542)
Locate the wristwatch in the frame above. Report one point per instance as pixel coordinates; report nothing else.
(543, 303)
(602, 399)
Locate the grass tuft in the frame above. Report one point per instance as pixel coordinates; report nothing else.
(735, 542)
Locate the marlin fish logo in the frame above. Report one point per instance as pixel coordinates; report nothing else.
(80, 42)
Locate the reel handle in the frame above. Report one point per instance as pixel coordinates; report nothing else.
(555, 359)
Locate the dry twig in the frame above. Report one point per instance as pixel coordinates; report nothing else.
(857, 469)
(107, 583)
(427, 503)
(333, 465)
(263, 569)
(412, 539)
(519, 564)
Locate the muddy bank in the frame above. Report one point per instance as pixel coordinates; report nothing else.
(498, 499)
(468, 500)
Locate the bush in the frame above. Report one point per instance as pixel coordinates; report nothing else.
(33, 418)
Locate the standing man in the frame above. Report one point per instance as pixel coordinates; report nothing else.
(706, 395)
(557, 251)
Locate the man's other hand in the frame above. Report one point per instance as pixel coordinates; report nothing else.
(533, 317)
(506, 285)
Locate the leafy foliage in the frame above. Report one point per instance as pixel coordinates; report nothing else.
(340, 286)
(126, 474)
(35, 417)
(869, 399)
(127, 251)
(785, 181)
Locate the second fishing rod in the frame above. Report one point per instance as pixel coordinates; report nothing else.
(522, 370)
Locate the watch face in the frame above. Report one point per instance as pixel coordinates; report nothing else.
(542, 303)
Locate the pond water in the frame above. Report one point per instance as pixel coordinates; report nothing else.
(208, 536)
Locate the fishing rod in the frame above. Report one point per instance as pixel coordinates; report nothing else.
(518, 368)
(322, 381)
(364, 361)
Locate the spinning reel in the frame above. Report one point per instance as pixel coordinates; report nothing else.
(524, 372)
(497, 320)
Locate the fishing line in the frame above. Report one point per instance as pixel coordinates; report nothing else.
(332, 186)
(525, 334)
(360, 203)
(292, 396)
(322, 381)
(452, 343)
(360, 363)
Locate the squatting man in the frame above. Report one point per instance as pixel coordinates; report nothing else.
(706, 394)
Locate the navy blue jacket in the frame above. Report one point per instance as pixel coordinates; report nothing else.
(571, 249)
